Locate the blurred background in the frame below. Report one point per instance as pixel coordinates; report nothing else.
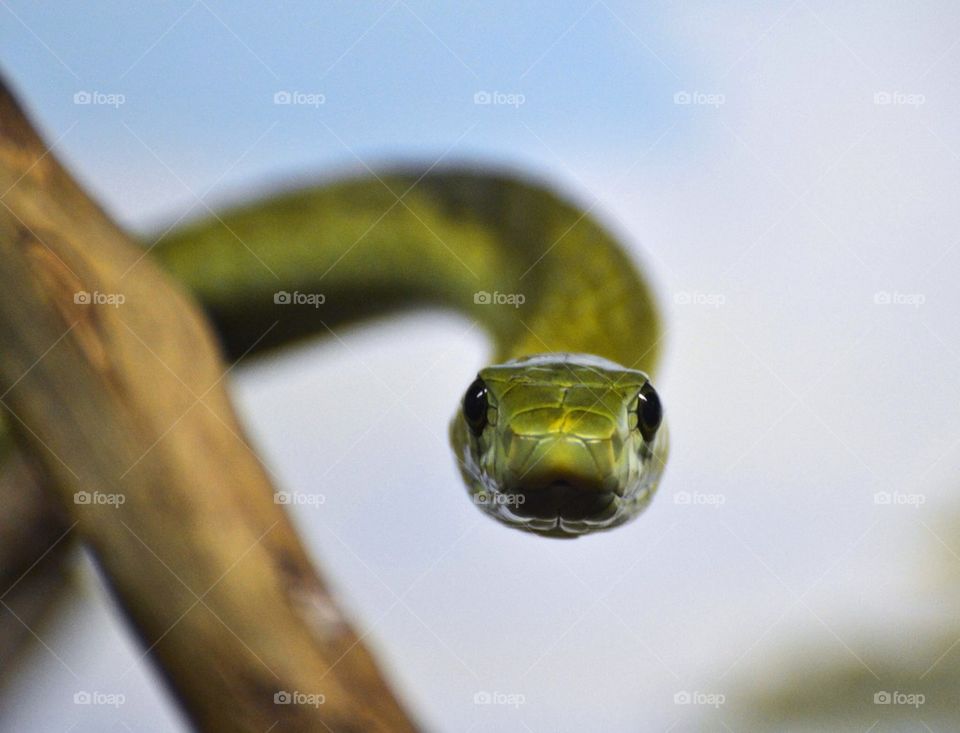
(785, 172)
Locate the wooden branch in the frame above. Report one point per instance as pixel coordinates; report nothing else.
(35, 539)
(113, 383)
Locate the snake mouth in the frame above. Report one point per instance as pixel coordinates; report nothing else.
(561, 500)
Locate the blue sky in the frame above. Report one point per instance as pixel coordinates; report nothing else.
(397, 78)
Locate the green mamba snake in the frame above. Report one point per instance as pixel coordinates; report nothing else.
(564, 435)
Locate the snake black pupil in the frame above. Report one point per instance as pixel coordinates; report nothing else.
(475, 406)
(649, 412)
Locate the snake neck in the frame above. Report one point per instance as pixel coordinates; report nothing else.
(536, 272)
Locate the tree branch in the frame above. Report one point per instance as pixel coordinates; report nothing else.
(124, 407)
(35, 539)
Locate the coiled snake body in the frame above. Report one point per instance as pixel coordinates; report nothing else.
(564, 435)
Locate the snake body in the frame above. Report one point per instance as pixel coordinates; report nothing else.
(562, 435)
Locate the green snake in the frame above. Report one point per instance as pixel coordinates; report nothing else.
(564, 434)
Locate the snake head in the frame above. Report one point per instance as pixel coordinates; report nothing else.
(561, 444)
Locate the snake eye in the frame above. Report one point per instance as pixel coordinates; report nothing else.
(649, 412)
(475, 406)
